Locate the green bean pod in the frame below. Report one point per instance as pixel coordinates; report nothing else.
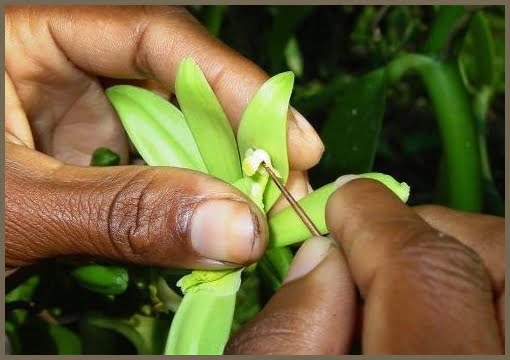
(108, 280)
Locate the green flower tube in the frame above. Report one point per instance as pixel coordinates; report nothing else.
(286, 228)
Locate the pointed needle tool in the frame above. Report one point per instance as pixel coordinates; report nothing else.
(295, 205)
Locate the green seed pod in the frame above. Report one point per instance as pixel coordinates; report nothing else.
(108, 280)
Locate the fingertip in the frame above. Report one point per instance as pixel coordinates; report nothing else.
(312, 313)
(304, 143)
(308, 257)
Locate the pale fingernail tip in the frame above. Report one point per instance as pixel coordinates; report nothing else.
(342, 180)
(311, 134)
(308, 257)
(225, 230)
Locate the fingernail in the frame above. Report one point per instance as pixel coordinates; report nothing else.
(309, 255)
(311, 135)
(342, 180)
(225, 230)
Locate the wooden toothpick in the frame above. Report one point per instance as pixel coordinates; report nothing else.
(295, 205)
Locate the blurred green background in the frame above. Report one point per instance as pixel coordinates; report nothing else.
(330, 47)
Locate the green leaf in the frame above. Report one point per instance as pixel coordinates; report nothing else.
(22, 292)
(100, 341)
(147, 334)
(104, 157)
(351, 132)
(210, 127)
(214, 18)
(293, 56)
(156, 128)
(108, 280)
(476, 59)
(264, 126)
(286, 20)
(66, 341)
(42, 338)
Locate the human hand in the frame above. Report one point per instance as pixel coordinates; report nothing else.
(55, 57)
(431, 281)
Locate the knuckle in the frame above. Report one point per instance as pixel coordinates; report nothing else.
(137, 214)
(441, 262)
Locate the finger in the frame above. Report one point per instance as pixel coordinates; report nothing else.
(16, 122)
(297, 184)
(154, 216)
(424, 291)
(312, 313)
(150, 42)
(153, 85)
(483, 233)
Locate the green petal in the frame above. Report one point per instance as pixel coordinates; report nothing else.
(220, 282)
(202, 323)
(264, 126)
(156, 128)
(208, 123)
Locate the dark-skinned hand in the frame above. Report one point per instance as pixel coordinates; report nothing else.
(431, 280)
(57, 114)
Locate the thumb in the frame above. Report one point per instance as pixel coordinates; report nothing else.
(311, 314)
(153, 216)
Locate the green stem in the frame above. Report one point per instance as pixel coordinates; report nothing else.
(458, 134)
(481, 106)
(493, 203)
(214, 19)
(442, 29)
(456, 125)
(404, 63)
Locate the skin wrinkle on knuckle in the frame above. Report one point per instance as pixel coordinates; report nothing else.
(125, 215)
(444, 266)
(141, 37)
(150, 22)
